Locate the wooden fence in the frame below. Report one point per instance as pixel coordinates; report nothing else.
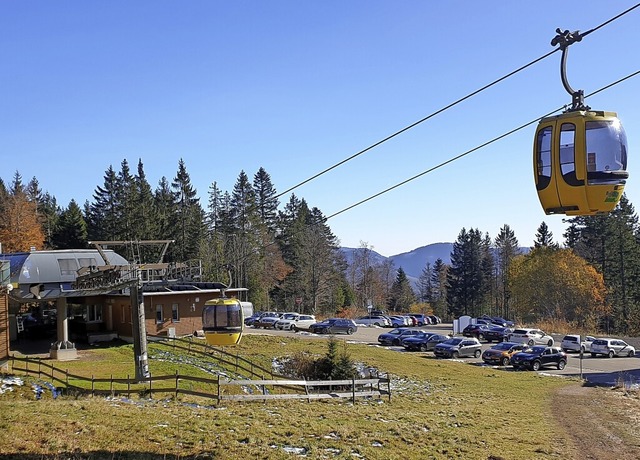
(240, 390)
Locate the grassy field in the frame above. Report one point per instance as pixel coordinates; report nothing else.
(439, 410)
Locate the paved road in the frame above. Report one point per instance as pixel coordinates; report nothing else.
(599, 371)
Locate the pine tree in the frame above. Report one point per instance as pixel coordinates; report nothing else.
(103, 217)
(402, 295)
(145, 223)
(507, 248)
(164, 209)
(188, 216)
(266, 199)
(425, 284)
(467, 283)
(439, 288)
(71, 232)
(50, 214)
(544, 238)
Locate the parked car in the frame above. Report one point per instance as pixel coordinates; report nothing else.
(421, 319)
(458, 347)
(395, 336)
(267, 320)
(334, 326)
(574, 342)
(531, 337)
(498, 320)
(475, 330)
(295, 324)
(249, 320)
(500, 354)
(400, 321)
(611, 347)
(497, 333)
(425, 341)
(373, 320)
(435, 319)
(539, 356)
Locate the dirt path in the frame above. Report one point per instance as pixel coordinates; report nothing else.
(602, 423)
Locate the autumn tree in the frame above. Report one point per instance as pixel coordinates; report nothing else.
(20, 228)
(557, 284)
(610, 242)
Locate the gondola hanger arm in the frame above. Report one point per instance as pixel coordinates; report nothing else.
(564, 39)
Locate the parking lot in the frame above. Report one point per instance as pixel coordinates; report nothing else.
(598, 371)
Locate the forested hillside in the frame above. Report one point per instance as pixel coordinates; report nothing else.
(285, 253)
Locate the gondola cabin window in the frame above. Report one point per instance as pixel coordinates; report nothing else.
(606, 151)
(568, 153)
(543, 160)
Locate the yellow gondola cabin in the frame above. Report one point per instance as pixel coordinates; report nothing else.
(222, 321)
(580, 162)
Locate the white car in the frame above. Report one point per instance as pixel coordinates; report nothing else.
(530, 337)
(400, 321)
(611, 347)
(297, 323)
(380, 321)
(574, 342)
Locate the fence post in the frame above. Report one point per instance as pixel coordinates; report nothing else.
(236, 361)
(218, 400)
(353, 389)
(66, 378)
(111, 385)
(177, 380)
(128, 387)
(92, 385)
(39, 367)
(150, 392)
(264, 389)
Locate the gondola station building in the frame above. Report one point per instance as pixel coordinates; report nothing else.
(96, 295)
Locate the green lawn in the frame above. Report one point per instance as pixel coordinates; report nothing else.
(439, 409)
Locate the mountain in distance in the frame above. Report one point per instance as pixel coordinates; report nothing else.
(412, 262)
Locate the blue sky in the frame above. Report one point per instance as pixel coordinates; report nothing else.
(296, 87)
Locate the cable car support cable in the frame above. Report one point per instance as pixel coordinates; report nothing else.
(468, 96)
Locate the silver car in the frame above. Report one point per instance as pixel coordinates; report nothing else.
(611, 347)
(575, 342)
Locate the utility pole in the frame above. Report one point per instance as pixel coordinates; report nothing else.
(139, 331)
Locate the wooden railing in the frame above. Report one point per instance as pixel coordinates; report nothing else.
(170, 384)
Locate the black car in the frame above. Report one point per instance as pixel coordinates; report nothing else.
(425, 341)
(539, 356)
(497, 333)
(334, 326)
(498, 320)
(395, 336)
(475, 330)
